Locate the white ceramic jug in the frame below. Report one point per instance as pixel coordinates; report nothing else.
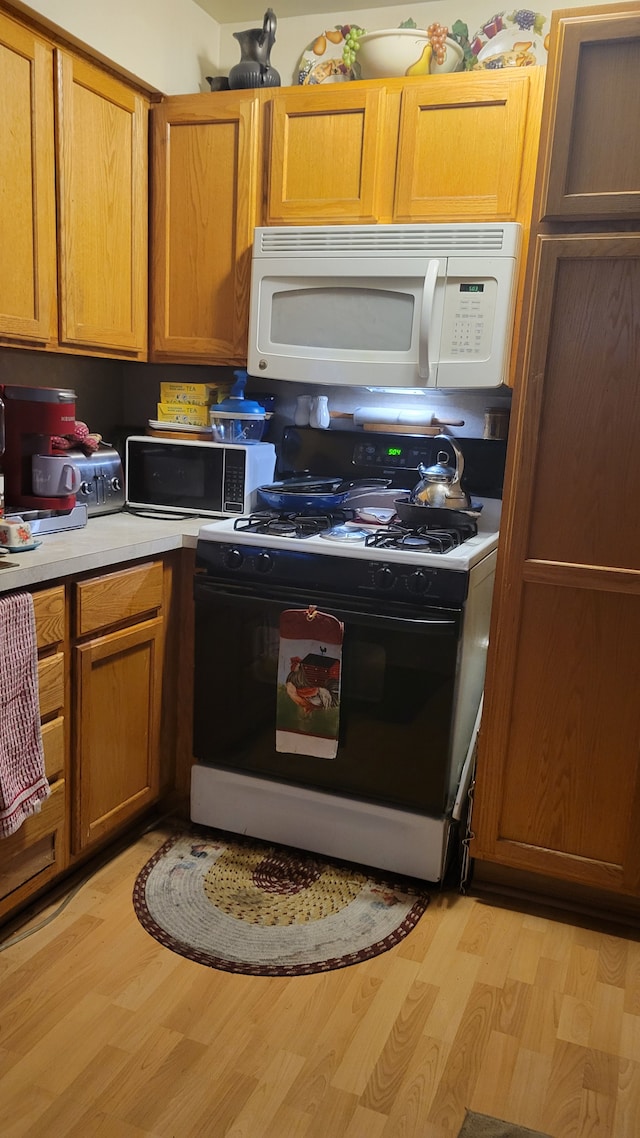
(302, 411)
(319, 412)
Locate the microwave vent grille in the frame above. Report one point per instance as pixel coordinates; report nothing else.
(362, 240)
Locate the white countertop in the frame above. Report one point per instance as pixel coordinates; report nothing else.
(104, 541)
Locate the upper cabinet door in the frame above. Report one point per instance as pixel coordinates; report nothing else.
(592, 167)
(27, 187)
(205, 163)
(102, 209)
(465, 152)
(324, 155)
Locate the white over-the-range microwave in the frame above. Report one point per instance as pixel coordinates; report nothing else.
(411, 306)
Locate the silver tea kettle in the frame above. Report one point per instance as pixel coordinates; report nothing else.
(440, 483)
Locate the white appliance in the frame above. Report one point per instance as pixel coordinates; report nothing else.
(415, 606)
(401, 306)
(189, 477)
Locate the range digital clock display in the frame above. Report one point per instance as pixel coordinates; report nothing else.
(469, 286)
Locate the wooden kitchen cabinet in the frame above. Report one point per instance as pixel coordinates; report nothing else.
(467, 147)
(326, 154)
(205, 163)
(450, 148)
(591, 160)
(38, 851)
(118, 672)
(102, 209)
(558, 782)
(115, 660)
(74, 271)
(558, 776)
(27, 187)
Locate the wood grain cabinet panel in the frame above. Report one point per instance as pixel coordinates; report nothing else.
(102, 209)
(115, 597)
(51, 684)
(27, 180)
(558, 779)
(464, 145)
(53, 741)
(325, 152)
(592, 162)
(117, 697)
(205, 202)
(118, 683)
(49, 612)
(36, 853)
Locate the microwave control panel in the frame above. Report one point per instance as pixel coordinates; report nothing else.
(468, 319)
(233, 490)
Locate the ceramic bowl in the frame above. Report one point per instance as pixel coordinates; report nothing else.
(393, 51)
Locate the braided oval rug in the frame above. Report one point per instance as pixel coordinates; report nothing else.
(247, 906)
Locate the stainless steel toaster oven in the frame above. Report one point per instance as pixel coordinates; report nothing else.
(102, 480)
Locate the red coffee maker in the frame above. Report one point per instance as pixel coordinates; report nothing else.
(33, 416)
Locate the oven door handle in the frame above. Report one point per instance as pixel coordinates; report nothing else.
(210, 593)
(376, 620)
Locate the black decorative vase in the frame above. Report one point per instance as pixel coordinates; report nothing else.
(254, 68)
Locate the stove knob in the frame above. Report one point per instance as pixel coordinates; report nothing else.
(264, 563)
(418, 582)
(233, 559)
(384, 577)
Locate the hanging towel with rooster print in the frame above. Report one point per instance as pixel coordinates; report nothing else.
(309, 674)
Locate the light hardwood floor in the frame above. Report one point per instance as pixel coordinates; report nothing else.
(106, 1034)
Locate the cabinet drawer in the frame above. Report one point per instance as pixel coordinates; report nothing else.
(48, 606)
(37, 846)
(51, 684)
(53, 743)
(115, 597)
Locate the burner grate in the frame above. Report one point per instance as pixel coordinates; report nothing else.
(291, 525)
(422, 539)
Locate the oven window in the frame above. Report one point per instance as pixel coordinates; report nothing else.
(348, 318)
(395, 708)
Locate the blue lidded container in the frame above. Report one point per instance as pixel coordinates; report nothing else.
(236, 419)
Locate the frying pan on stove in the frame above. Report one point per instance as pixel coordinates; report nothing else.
(415, 515)
(304, 492)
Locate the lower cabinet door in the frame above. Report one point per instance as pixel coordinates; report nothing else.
(36, 853)
(118, 681)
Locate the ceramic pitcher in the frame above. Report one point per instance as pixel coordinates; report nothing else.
(254, 68)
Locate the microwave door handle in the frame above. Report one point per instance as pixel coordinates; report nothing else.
(425, 365)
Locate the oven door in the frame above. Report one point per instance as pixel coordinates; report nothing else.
(396, 705)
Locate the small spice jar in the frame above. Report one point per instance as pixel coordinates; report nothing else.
(496, 423)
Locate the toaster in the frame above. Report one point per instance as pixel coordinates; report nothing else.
(101, 480)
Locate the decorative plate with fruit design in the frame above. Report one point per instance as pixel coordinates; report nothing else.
(324, 60)
(511, 39)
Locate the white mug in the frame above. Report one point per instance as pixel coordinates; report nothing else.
(54, 476)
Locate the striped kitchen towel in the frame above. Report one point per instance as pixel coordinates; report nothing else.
(23, 785)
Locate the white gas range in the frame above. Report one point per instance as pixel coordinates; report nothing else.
(416, 626)
(358, 538)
